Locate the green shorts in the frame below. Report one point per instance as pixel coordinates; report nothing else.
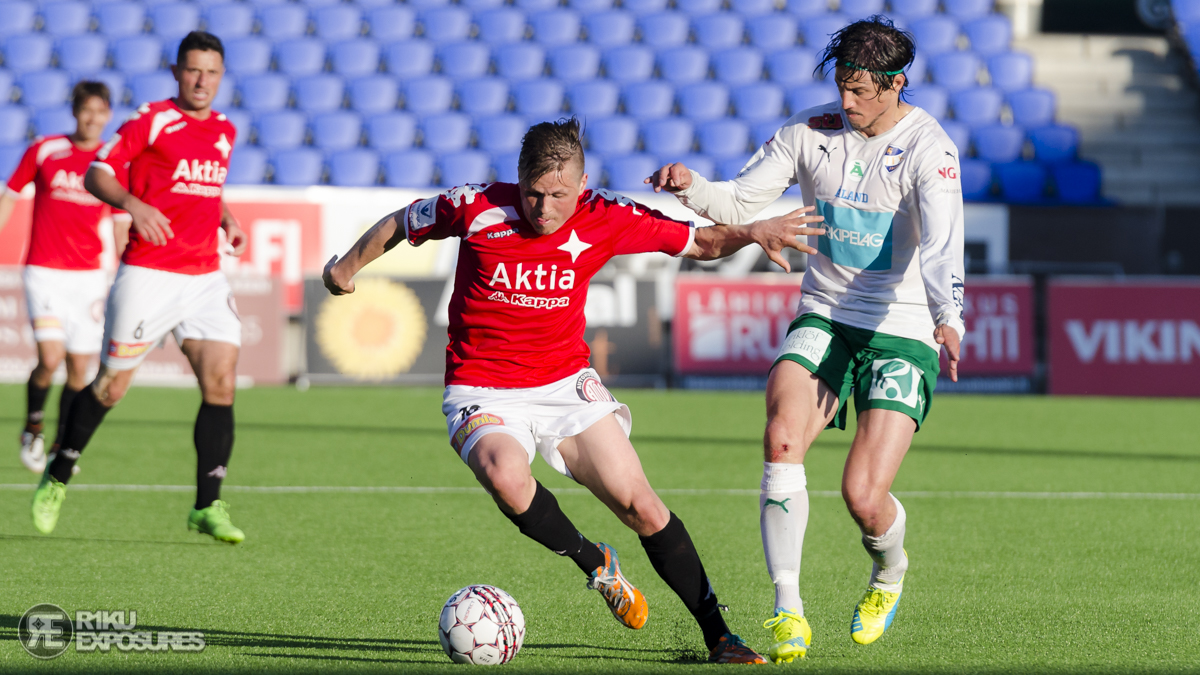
(883, 371)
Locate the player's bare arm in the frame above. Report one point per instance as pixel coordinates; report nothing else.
(147, 221)
(381, 238)
(772, 234)
(8, 202)
(233, 232)
(121, 224)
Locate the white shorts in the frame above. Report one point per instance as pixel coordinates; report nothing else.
(538, 417)
(145, 304)
(66, 306)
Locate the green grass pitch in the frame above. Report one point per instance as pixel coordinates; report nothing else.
(1007, 575)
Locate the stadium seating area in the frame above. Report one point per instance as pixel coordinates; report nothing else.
(431, 92)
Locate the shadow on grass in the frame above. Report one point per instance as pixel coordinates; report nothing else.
(101, 540)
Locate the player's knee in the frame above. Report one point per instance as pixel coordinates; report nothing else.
(219, 388)
(784, 439)
(110, 389)
(48, 362)
(509, 484)
(864, 503)
(645, 513)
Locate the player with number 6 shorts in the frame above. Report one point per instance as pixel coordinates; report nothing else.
(518, 382)
(881, 295)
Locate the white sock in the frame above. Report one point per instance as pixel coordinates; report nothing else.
(783, 516)
(887, 550)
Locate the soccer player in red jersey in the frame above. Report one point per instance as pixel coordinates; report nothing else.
(177, 152)
(517, 376)
(64, 285)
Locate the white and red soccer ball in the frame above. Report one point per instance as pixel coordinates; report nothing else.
(481, 625)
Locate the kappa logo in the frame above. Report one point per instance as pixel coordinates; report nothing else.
(590, 388)
(829, 121)
(897, 380)
(500, 233)
(470, 426)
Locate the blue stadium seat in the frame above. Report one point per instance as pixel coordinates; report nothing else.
(683, 65)
(357, 167)
(791, 67)
(229, 20)
(960, 135)
(575, 62)
(649, 99)
(338, 22)
(408, 169)
(428, 95)
(247, 166)
(1032, 107)
(536, 5)
(860, 9)
(697, 7)
(911, 9)
(225, 94)
(240, 119)
(1077, 182)
(752, 7)
(807, 8)
(627, 173)
(10, 156)
(763, 130)
(990, 34)
(967, 9)
(174, 19)
(374, 94)
(701, 164)
(668, 137)
(355, 58)
(56, 120)
(283, 21)
(82, 53)
(702, 101)
(392, 131)
(483, 96)
(300, 56)
(504, 165)
(45, 88)
(520, 61)
(474, 5)
(723, 138)
(319, 93)
(501, 25)
(427, 4)
(609, 28)
(594, 99)
(500, 133)
(23, 53)
(119, 19)
(19, 17)
(730, 167)
(312, 4)
(758, 101)
(738, 65)
(462, 60)
(467, 166)
(807, 96)
(299, 167)
(247, 55)
(664, 29)
(916, 71)
(409, 58)
(389, 23)
(148, 87)
(281, 130)
(612, 136)
(956, 70)
(555, 26)
(6, 85)
(1011, 71)
(817, 29)
(645, 6)
(538, 98)
(719, 30)
(264, 92)
(976, 179)
(772, 32)
(585, 6)
(137, 54)
(978, 106)
(1021, 182)
(999, 143)
(935, 34)
(628, 63)
(65, 18)
(1055, 143)
(14, 123)
(1185, 11)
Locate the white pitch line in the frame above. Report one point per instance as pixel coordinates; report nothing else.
(407, 489)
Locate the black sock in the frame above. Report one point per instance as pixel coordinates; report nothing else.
(85, 415)
(675, 559)
(35, 398)
(545, 523)
(64, 407)
(214, 444)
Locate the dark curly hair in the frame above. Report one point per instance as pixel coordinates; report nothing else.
(874, 45)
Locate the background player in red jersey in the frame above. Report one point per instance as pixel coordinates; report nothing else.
(64, 285)
(517, 375)
(170, 281)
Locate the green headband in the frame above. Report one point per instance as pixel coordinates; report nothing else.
(876, 72)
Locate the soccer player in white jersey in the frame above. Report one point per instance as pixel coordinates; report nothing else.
(881, 296)
(517, 376)
(170, 281)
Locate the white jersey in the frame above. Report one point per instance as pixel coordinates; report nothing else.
(891, 259)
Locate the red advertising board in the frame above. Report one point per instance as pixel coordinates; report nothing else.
(999, 318)
(731, 327)
(1127, 338)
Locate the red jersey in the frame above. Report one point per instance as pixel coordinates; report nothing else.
(177, 164)
(516, 316)
(66, 217)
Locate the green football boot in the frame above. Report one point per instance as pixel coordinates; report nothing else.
(213, 520)
(47, 502)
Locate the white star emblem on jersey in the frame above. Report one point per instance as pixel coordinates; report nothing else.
(574, 246)
(223, 145)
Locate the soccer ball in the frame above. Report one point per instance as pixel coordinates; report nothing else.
(481, 625)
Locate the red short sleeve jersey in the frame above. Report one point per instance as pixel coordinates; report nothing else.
(516, 316)
(66, 217)
(177, 164)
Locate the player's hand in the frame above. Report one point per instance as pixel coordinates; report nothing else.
(672, 178)
(150, 223)
(335, 279)
(236, 238)
(948, 337)
(775, 234)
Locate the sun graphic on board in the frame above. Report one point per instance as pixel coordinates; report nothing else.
(374, 333)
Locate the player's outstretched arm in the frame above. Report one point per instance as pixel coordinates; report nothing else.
(381, 238)
(8, 202)
(772, 234)
(148, 222)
